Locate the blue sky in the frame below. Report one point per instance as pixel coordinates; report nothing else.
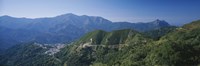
(174, 11)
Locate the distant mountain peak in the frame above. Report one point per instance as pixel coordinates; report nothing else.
(67, 15)
(70, 14)
(160, 22)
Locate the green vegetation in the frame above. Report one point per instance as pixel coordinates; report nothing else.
(111, 38)
(158, 33)
(193, 25)
(27, 55)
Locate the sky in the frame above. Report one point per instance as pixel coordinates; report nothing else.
(176, 12)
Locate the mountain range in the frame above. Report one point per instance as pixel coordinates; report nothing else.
(64, 28)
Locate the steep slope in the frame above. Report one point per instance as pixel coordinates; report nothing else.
(62, 29)
(115, 37)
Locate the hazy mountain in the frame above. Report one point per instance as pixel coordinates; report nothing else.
(62, 29)
(141, 26)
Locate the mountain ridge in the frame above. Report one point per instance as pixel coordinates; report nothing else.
(67, 15)
(63, 28)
